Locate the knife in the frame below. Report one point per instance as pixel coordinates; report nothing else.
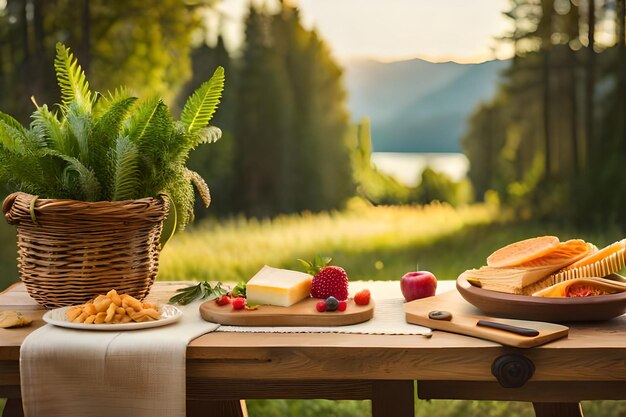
(522, 331)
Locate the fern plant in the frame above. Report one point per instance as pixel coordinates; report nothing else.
(103, 147)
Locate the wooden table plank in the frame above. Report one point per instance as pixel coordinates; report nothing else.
(542, 391)
(323, 389)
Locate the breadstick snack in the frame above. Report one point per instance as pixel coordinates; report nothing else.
(113, 308)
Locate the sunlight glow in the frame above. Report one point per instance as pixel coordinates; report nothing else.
(392, 30)
(388, 30)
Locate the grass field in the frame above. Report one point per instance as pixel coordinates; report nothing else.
(371, 243)
(379, 243)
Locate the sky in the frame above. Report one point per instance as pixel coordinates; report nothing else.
(393, 30)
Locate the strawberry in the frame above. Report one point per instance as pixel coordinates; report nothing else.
(328, 281)
(362, 297)
(223, 300)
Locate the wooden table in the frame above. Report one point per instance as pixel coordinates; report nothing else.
(227, 367)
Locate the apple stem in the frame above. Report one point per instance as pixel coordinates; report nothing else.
(417, 266)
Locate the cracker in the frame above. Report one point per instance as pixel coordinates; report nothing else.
(13, 318)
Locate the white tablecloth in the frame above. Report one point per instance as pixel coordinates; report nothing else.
(139, 373)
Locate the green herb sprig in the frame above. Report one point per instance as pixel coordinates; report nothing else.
(204, 290)
(239, 290)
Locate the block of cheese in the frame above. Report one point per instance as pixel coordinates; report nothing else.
(278, 287)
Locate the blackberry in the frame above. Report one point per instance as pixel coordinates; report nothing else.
(332, 303)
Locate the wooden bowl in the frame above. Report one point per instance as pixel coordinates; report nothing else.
(559, 310)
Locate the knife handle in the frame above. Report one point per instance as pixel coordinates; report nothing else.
(522, 331)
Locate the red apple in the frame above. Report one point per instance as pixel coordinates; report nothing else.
(419, 284)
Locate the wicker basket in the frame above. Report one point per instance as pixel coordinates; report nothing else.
(70, 251)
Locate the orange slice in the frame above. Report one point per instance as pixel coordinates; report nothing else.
(523, 251)
(564, 254)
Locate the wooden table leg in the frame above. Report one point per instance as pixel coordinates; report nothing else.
(216, 408)
(393, 398)
(13, 408)
(558, 410)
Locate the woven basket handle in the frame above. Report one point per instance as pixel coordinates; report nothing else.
(7, 205)
(13, 215)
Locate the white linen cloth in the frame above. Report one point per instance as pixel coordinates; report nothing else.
(79, 373)
(389, 317)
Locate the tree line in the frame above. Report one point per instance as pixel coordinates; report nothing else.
(552, 142)
(286, 125)
(288, 142)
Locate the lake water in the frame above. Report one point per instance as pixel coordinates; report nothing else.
(408, 167)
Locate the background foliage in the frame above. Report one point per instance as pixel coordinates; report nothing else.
(552, 142)
(293, 174)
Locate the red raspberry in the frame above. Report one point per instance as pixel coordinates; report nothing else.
(362, 297)
(342, 306)
(223, 300)
(320, 306)
(238, 303)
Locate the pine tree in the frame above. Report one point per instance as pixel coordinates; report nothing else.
(216, 161)
(292, 123)
(263, 125)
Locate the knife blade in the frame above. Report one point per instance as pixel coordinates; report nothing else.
(522, 331)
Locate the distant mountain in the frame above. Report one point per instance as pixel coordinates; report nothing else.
(416, 105)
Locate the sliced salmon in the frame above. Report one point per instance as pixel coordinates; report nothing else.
(599, 255)
(606, 261)
(523, 251)
(562, 255)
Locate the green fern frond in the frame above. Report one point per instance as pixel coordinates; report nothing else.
(200, 107)
(198, 182)
(209, 134)
(106, 129)
(181, 192)
(71, 78)
(138, 124)
(126, 174)
(46, 125)
(29, 172)
(18, 140)
(34, 142)
(155, 136)
(79, 126)
(180, 143)
(8, 120)
(105, 101)
(151, 130)
(86, 179)
(70, 184)
(11, 138)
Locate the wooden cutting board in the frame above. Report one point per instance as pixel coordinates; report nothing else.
(465, 316)
(299, 314)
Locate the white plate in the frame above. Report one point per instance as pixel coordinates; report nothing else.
(169, 314)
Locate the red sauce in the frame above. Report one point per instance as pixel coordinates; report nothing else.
(583, 291)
